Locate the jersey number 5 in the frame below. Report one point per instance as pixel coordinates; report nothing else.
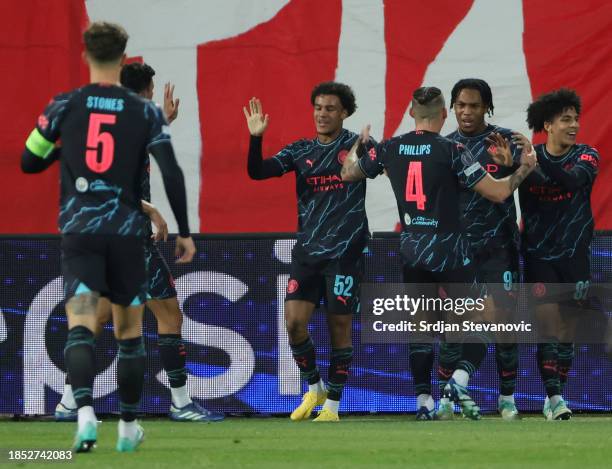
(100, 164)
(414, 185)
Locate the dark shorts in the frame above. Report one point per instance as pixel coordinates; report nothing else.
(161, 282)
(114, 266)
(458, 284)
(498, 270)
(336, 281)
(455, 283)
(559, 280)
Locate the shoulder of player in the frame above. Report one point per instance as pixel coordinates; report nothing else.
(347, 134)
(448, 143)
(539, 148)
(455, 135)
(152, 110)
(297, 147)
(504, 132)
(64, 97)
(301, 144)
(583, 148)
(384, 145)
(394, 140)
(347, 138)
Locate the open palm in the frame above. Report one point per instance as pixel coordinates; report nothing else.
(256, 120)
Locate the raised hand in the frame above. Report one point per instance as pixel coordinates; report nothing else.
(499, 149)
(529, 158)
(256, 120)
(171, 105)
(521, 141)
(364, 136)
(528, 155)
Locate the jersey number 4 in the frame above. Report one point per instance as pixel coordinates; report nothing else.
(101, 161)
(414, 185)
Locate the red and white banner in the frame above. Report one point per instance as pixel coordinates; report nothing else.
(219, 54)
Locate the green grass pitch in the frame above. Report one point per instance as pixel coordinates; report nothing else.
(358, 441)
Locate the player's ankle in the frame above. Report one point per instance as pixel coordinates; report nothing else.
(318, 387)
(332, 405)
(425, 400)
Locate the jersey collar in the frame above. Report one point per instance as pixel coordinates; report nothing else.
(488, 129)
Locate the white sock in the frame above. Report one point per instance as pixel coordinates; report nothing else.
(425, 400)
(331, 405)
(86, 414)
(180, 396)
(68, 398)
(128, 429)
(554, 400)
(461, 377)
(318, 387)
(503, 398)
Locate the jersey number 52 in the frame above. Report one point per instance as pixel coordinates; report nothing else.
(101, 161)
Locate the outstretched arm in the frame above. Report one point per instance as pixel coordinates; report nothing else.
(498, 190)
(353, 167)
(580, 175)
(351, 171)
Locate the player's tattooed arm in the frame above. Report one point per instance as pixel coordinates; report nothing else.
(498, 190)
(161, 227)
(351, 171)
(529, 161)
(524, 170)
(350, 167)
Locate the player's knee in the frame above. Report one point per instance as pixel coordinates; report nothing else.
(296, 328)
(123, 332)
(168, 315)
(83, 304)
(81, 310)
(103, 315)
(340, 330)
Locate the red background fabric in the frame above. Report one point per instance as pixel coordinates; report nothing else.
(281, 60)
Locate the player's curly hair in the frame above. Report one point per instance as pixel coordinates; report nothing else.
(105, 42)
(474, 84)
(344, 92)
(547, 106)
(136, 76)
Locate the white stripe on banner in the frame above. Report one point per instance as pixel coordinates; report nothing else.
(362, 64)
(482, 47)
